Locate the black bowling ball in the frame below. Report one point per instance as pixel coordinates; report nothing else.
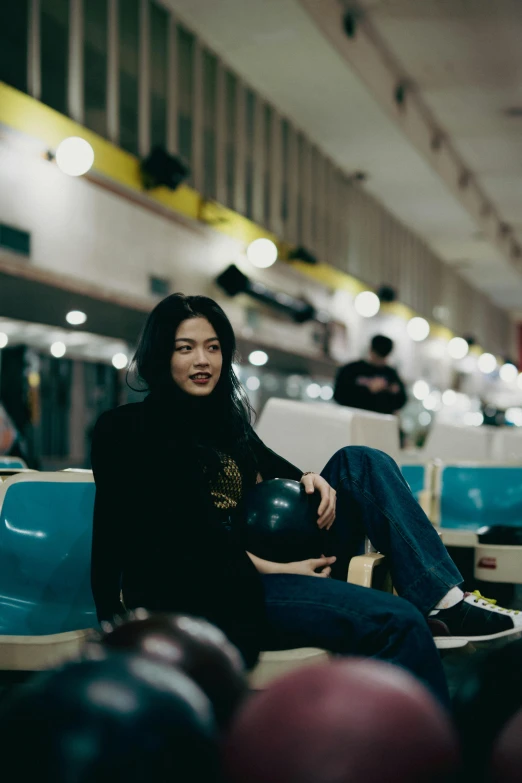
(505, 535)
(281, 522)
(119, 719)
(191, 644)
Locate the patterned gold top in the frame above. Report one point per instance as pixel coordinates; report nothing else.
(228, 488)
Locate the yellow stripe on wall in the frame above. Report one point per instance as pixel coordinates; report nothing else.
(32, 118)
(24, 114)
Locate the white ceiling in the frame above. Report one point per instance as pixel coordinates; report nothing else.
(466, 59)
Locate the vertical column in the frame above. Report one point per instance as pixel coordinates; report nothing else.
(259, 163)
(144, 81)
(339, 217)
(75, 102)
(306, 191)
(346, 196)
(34, 59)
(292, 187)
(328, 216)
(172, 88)
(197, 119)
(77, 411)
(221, 135)
(113, 80)
(321, 208)
(240, 151)
(276, 174)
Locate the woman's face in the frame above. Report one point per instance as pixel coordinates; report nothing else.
(196, 362)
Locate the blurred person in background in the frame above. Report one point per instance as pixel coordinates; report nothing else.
(371, 384)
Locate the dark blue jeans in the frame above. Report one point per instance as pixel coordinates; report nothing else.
(373, 500)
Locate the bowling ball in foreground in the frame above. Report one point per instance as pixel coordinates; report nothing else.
(194, 645)
(281, 522)
(489, 695)
(123, 718)
(507, 755)
(345, 722)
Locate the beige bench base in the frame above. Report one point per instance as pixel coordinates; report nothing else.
(35, 653)
(278, 662)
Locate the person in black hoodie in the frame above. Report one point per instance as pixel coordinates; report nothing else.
(371, 384)
(170, 474)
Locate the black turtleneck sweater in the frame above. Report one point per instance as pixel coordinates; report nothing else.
(157, 534)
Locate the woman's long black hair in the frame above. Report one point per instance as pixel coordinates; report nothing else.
(227, 408)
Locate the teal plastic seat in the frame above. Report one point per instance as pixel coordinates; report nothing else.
(12, 463)
(415, 475)
(472, 496)
(45, 553)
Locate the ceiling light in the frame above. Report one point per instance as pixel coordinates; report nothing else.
(514, 416)
(326, 393)
(120, 361)
(258, 358)
(458, 348)
(474, 419)
(75, 317)
(424, 418)
(253, 383)
(313, 390)
(262, 253)
(449, 397)
(367, 304)
(433, 401)
(508, 372)
(420, 390)
(418, 329)
(487, 363)
(58, 350)
(74, 156)
(4, 339)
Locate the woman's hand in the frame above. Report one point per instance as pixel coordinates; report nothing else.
(309, 567)
(313, 482)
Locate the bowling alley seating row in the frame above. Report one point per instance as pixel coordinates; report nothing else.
(475, 505)
(453, 443)
(459, 498)
(12, 463)
(46, 606)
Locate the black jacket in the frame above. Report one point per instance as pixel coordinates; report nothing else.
(351, 388)
(157, 535)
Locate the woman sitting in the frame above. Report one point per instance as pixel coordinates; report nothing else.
(170, 474)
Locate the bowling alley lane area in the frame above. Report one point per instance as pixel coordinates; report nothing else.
(260, 391)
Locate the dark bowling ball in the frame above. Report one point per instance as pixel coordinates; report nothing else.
(198, 648)
(507, 755)
(352, 721)
(122, 718)
(504, 535)
(487, 698)
(281, 522)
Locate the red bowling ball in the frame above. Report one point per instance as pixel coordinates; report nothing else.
(507, 756)
(346, 722)
(193, 645)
